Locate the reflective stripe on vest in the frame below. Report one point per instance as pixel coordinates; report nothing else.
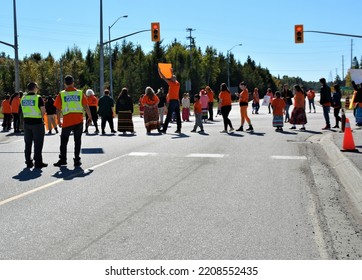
(71, 101)
(30, 106)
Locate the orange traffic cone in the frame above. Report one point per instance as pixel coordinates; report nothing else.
(348, 142)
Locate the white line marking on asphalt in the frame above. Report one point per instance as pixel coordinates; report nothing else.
(16, 197)
(141, 154)
(206, 155)
(290, 157)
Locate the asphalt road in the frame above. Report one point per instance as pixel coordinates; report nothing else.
(264, 195)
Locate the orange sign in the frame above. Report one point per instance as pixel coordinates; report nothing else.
(165, 69)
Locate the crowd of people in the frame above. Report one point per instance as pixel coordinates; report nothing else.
(27, 112)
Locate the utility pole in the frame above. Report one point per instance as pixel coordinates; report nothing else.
(351, 53)
(192, 44)
(101, 52)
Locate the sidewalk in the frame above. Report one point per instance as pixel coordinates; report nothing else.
(348, 165)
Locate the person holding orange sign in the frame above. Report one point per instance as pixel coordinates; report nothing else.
(174, 100)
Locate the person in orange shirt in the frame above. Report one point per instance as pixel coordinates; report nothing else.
(210, 95)
(198, 114)
(71, 103)
(298, 113)
(6, 110)
(311, 96)
(225, 107)
(256, 101)
(243, 102)
(150, 101)
(15, 104)
(278, 105)
(269, 93)
(93, 107)
(173, 101)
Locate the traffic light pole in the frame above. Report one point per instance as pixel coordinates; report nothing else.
(332, 33)
(125, 36)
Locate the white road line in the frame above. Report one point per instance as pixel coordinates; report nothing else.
(206, 155)
(141, 154)
(290, 157)
(16, 197)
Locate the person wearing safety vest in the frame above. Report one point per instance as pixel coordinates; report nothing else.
(71, 103)
(33, 109)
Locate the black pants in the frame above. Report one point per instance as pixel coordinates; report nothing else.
(173, 106)
(225, 110)
(64, 138)
(105, 120)
(211, 111)
(16, 121)
(34, 133)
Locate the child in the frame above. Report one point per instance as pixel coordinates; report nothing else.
(204, 100)
(198, 114)
(185, 107)
(278, 105)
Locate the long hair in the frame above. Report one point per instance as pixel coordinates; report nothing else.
(149, 92)
(224, 87)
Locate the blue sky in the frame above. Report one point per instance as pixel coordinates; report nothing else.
(265, 28)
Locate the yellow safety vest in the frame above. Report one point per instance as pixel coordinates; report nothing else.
(30, 106)
(71, 101)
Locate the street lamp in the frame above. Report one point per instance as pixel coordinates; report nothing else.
(110, 54)
(228, 57)
(16, 49)
(101, 52)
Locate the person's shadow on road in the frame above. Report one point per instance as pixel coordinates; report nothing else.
(28, 174)
(69, 174)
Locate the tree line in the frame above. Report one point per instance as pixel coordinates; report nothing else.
(134, 69)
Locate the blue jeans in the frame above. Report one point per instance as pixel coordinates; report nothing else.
(326, 110)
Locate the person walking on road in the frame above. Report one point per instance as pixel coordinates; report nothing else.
(325, 101)
(150, 101)
(278, 105)
(225, 107)
(105, 110)
(198, 114)
(298, 113)
(6, 110)
(173, 101)
(243, 102)
(336, 104)
(71, 103)
(33, 109)
(287, 95)
(210, 94)
(15, 105)
(311, 96)
(93, 107)
(51, 114)
(124, 110)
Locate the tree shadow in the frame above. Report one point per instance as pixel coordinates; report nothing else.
(28, 174)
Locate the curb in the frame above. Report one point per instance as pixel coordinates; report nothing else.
(349, 175)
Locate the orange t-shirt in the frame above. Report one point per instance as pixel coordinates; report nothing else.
(71, 118)
(5, 106)
(299, 100)
(147, 101)
(210, 95)
(15, 103)
(244, 96)
(310, 94)
(225, 98)
(197, 107)
(92, 100)
(173, 90)
(278, 105)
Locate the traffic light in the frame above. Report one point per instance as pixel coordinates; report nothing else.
(155, 31)
(298, 34)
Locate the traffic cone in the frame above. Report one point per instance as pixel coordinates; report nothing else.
(348, 142)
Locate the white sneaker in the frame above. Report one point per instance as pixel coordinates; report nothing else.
(231, 130)
(223, 131)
